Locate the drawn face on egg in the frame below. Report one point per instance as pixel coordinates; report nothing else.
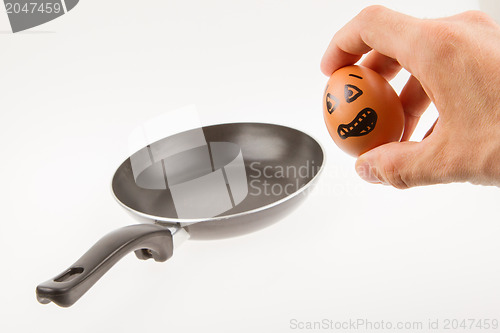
(365, 120)
(361, 110)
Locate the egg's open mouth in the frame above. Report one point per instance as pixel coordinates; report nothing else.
(363, 124)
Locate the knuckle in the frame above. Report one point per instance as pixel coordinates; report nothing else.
(477, 16)
(444, 41)
(393, 172)
(445, 34)
(372, 12)
(368, 17)
(395, 177)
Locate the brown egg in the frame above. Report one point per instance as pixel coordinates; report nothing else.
(361, 110)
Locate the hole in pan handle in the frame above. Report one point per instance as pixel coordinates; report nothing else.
(147, 240)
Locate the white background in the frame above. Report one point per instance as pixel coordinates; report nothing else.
(72, 90)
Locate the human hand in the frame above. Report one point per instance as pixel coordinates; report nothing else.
(455, 63)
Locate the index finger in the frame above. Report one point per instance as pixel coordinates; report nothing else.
(375, 28)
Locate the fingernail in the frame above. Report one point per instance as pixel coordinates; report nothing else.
(366, 173)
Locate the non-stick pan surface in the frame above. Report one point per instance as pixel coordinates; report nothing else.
(279, 161)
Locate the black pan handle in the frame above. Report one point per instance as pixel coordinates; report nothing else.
(147, 240)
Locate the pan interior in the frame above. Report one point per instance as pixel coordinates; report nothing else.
(278, 162)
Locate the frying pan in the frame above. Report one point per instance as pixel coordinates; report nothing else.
(295, 158)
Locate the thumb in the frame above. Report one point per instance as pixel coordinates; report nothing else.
(403, 164)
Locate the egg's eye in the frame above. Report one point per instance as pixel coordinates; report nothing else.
(351, 93)
(331, 103)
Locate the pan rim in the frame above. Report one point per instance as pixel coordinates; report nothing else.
(186, 222)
